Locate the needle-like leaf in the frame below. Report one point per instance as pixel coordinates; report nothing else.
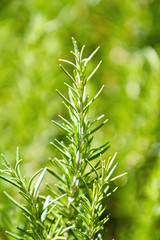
(94, 71)
(18, 204)
(36, 187)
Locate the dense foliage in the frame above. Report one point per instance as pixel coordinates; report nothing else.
(33, 36)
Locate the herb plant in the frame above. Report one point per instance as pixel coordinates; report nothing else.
(83, 183)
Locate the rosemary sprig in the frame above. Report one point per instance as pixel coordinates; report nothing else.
(86, 185)
(82, 185)
(35, 209)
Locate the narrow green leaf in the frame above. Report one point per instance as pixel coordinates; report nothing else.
(25, 195)
(111, 162)
(29, 219)
(66, 229)
(110, 173)
(66, 100)
(75, 44)
(73, 98)
(81, 53)
(104, 220)
(17, 168)
(61, 165)
(96, 167)
(18, 204)
(92, 167)
(94, 71)
(40, 225)
(97, 128)
(76, 55)
(91, 56)
(61, 144)
(44, 213)
(71, 88)
(55, 174)
(86, 207)
(62, 127)
(60, 150)
(115, 189)
(10, 181)
(103, 168)
(106, 189)
(93, 98)
(99, 153)
(15, 236)
(97, 119)
(72, 113)
(99, 148)
(67, 73)
(66, 121)
(101, 212)
(25, 232)
(119, 176)
(8, 165)
(32, 178)
(39, 182)
(55, 200)
(60, 188)
(63, 60)
(85, 183)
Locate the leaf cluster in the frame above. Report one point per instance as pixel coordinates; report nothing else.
(36, 210)
(82, 184)
(85, 182)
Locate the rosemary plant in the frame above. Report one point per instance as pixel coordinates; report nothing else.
(38, 226)
(75, 212)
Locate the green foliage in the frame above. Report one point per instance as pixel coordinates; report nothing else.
(76, 212)
(35, 211)
(33, 35)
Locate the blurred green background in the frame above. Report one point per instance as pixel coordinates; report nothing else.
(33, 36)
